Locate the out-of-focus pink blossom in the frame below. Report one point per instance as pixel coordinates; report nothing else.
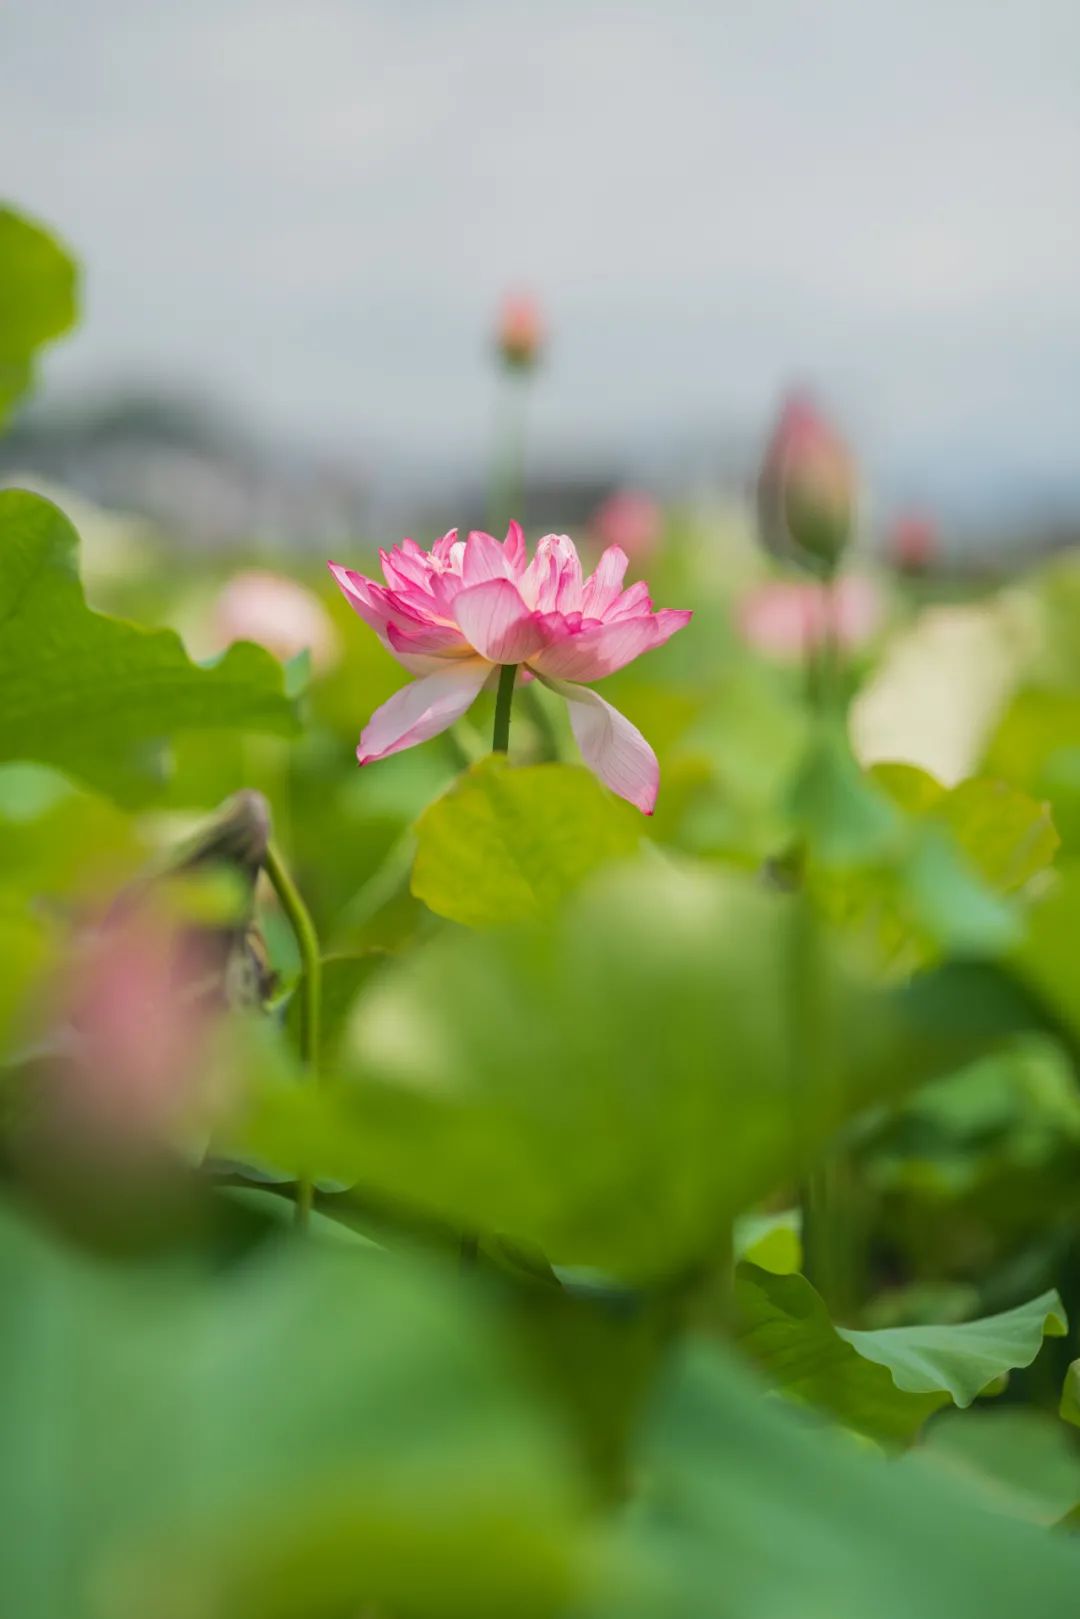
(520, 332)
(454, 614)
(913, 541)
(138, 1018)
(630, 519)
(806, 492)
(786, 620)
(276, 613)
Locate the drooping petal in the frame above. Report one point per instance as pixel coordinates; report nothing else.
(422, 709)
(483, 559)
(599, 651)
(605, 582)
(494, 619)
(612, 748)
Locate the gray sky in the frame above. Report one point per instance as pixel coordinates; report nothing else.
(308, 208)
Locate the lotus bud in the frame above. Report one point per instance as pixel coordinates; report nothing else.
(520, 332)
(788, 620)
(913, 542)
(277, 613)
(806, 491)
(631, 520)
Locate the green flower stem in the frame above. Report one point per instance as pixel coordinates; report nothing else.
(829, 1201)
(504, 699)
(310, 991)
(508, 462)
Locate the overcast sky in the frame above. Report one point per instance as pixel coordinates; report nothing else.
(308, 208)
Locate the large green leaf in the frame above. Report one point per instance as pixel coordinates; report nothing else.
(95, 696)
(750, 1512)
(966, 1359)
(1022, 1461)
(321, 1431)
(614, 1087)
(37, 300)
(506, 845)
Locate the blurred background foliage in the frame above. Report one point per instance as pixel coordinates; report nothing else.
(556, 1339)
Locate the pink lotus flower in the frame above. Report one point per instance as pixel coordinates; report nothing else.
(520, 332)
(630, 519)
(277, 613)
(785, 620)
(454, 614)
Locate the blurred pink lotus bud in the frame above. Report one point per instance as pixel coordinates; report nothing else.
(786, 620)
(138, 1020)
(806, 491)
(631, 520)
(520, 332)
(276, 613)
(913, 542)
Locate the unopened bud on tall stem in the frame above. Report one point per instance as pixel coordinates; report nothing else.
(806, 491)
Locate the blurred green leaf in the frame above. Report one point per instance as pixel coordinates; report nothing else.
(1070, 1395)
(1022, 1461)
(949, 903)
(95, 696)
(26, 951)
(773, 1241)
(37, 300)
(615, 1087)
(60, 841)
(915, 869)
(753, 734)
(1007, 835)
(317, 1432)
(507, 844)
(749, 1511)
(343, 977)
(1047, 958)
(846, 820)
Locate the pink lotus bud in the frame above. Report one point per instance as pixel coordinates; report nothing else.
(137, 1025)
(913, 542)
(806, 491)
(631, 520)
(785, 620)
(520, 332)
(146, 984)
(276, 613)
